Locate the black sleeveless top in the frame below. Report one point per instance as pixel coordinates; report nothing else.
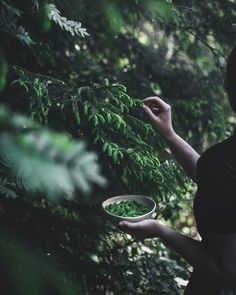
(215, 200)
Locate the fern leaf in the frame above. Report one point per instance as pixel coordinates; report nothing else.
(6, 188)
(47, 162)
(8, 20)
(73, 27)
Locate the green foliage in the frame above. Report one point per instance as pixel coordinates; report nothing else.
(113, 127)
(43, 161)
(145, 271)
(75, 86)
(44, 13)
(73, 27)
(38, 87)
(113, 17)
(3, 71)
(161, 9)
(7, 189)
(127, 208)
(44, 277)
(104, 113)
(8, 19)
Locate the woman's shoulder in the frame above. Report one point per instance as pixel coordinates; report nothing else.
(226, 149)
(227, 145)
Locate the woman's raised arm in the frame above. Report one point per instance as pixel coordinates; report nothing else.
(159, 113)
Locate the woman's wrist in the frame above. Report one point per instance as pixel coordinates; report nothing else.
(171, 136)
(161, 230)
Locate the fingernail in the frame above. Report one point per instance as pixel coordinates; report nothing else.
(121, 223)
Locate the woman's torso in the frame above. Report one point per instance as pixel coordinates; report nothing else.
(215, 200)
(215, 203)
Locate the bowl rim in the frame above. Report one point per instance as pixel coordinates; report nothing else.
(129, 217)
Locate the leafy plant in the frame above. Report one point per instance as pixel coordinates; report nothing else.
(73, 27)
(7, 189)
(8, 19)
(3, 71)
(45, 162)
(75, 87)
(127, 208)
(43, 272)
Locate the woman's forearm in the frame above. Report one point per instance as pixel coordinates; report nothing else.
(184, 153)
(191, 250)
(215, 265)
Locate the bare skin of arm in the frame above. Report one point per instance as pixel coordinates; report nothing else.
(183, 152)
(217, 259)
(219, 264)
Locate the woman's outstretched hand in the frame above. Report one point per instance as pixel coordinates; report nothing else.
(148, 228)
(159, 112)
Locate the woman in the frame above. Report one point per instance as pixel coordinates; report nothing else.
(214, 257)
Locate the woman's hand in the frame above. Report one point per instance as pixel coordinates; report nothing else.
(184, 153)
(159, 112)
(148, 228)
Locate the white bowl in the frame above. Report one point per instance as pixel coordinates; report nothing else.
(147, 201)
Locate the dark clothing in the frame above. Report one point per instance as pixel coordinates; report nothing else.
(200, 285)
(215, 205)
(215, 200)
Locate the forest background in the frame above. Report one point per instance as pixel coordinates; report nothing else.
(72, 78)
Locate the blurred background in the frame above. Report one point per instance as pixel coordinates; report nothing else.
(72, 78)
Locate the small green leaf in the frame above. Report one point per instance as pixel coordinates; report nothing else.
(109, 150)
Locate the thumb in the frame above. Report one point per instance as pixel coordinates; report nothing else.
(148, 111)
(124, 224)
(132, 229)
(128, 225)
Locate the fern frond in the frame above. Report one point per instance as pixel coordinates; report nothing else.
(107, 111)
(23, 35)
(73, 27)
(43, 91)
(6, 188)
(8, 19)
(12, 8)
(46, 162)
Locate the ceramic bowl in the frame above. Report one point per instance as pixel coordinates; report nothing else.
(147, 201)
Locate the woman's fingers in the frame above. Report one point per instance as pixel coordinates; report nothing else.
(133, 229)
(159, 112)
(155, 101)
(149, 112)
(128, 225)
